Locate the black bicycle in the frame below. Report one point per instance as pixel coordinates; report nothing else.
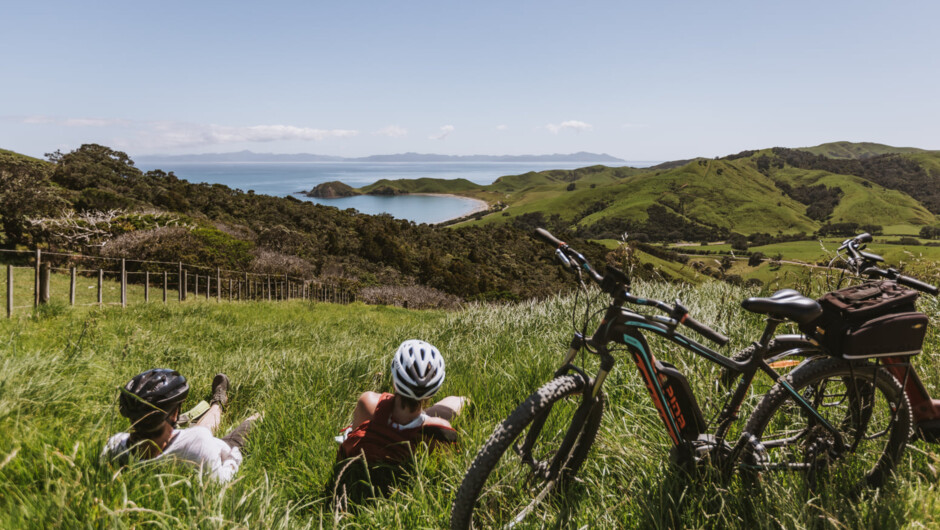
(816, 421)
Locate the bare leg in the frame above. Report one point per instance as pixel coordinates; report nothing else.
(447, 408)
(212, 418)
(236, 438)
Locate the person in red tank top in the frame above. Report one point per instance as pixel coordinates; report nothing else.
(387, 427)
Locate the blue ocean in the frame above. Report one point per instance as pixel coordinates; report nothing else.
(291, 178)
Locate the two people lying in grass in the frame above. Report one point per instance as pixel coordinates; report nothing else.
(387, 427)
(152, 401)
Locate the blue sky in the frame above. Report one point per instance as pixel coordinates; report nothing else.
(638, 80)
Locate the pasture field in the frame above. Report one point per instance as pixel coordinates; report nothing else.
(303, 364)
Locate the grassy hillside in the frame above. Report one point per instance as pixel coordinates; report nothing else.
(422, 185)
(17, 156)
(857, 150)
(739, 193)
(861, 202)
(303, 365)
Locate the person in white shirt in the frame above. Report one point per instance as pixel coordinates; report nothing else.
(152, 401)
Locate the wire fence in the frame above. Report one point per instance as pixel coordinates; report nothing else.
(38, 277)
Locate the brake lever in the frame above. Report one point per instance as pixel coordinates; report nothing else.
(562, 258)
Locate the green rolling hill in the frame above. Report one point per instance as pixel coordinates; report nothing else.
(774, 191)
(857, 150)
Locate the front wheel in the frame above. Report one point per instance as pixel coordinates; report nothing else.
(550, 434)
(863, 402)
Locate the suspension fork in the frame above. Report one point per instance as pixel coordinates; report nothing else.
(580, 416)
(588, 402)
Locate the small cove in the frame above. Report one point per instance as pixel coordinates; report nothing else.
(291, 178)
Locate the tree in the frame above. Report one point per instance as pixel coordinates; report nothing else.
(24, 193)
(94, 166)
(930, 232)
(738, 241)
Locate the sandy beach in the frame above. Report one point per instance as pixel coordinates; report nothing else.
(481, 205)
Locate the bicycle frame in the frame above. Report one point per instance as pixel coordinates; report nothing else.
(625, 327)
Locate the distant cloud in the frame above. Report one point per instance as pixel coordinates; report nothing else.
(392, 131)
(92, 122)
(168, 135)
(218, 134)
(71, 122)
(574, 125)
(445, 132)
(502, 127)
(35, 119)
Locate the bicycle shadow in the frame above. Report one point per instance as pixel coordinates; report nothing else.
(673, 498)
(682, 500)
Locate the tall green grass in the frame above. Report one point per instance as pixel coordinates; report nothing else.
(303, 365)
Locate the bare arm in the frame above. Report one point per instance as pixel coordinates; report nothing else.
(365, 408)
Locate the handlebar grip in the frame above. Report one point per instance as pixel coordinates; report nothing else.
(863, 238)
(543, 234)
(919, 285)
(705, 331)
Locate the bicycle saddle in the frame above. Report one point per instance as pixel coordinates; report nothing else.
(788, 304)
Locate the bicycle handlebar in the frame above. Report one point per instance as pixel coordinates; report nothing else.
(913, 283)
(864, 264)
(544, 235)
(618, 290)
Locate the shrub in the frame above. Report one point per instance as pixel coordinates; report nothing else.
(272, 262)
(410, 296)
(204, 246)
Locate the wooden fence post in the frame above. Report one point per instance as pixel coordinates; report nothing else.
(247, 287)
(164, 286)
(269, 288)
(9, 291)
(36, 287)
(208, 285)
(196, 289)
(146, 286)
(229, 289)
(218, 285)
(72, 285)
(100, 286)
(286, 287)
(182, 284)
(44, 278)
(123, 284)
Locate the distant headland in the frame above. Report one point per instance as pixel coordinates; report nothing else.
(250, 156)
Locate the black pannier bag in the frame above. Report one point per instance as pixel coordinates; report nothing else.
(874, 319)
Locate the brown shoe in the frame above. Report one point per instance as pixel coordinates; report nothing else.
(219, 390)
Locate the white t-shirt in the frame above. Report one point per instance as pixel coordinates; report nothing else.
(195, 445)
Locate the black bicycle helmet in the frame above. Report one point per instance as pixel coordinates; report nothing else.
(149, 398)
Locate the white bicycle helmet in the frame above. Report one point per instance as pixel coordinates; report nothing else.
(417, 369)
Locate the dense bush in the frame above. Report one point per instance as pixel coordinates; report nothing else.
(233, 229)
(410, 296)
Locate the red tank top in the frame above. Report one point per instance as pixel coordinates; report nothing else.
(379, 441)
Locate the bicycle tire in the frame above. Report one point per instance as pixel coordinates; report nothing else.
(872, 413)
(544, 401)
